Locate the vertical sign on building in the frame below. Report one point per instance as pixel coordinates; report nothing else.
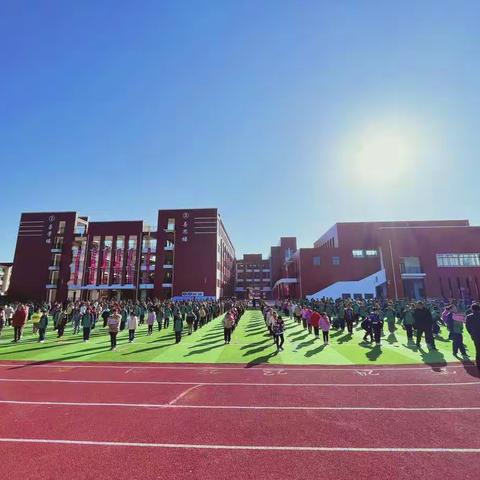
(185, 216)
(51, 219)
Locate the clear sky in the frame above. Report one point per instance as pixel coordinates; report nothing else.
(286, 115)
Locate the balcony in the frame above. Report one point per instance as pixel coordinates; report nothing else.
(169, 248)
(56, 249)
(51, 285)
(167, 285)
(411, 272)
(54, 267)
(168, 265)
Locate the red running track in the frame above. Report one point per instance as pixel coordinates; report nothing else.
(205, 421)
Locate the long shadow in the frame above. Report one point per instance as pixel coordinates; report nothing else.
(337, 333)
(311, 353)
(305, 344)
(260, 360)
(255, 334)
(42, 347)
(296, 339)
(374, 353)
(148, 349)
(253, 344)
(345, 338)
(203, 350)
(256, 350)
(470, 368)
(392, 339)
(211, 342)
(433, 358)
(438, 338)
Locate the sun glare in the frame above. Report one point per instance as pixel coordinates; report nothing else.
(382, 153)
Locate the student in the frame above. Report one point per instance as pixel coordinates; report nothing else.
(42, 326)
(133, 323)
(314, 321)
(9, 311)
(191, 318)
(113, 324)
(297, 313)
(457, 334)
(37, 314)
(278, 329)
(19, 319)
(61, 322)
(151, 319)
(228, 322)
(348, 319)
(105, 315)
(2, 319)
(86, 322)
(377, 324)
(76, 318)
(408, 322)
(325, 325)
(178, 327)
(167, 313)
(390, 317)
(473, 328)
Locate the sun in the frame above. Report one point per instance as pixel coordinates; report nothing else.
(382, 153)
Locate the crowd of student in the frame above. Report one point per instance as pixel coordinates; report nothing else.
(115, 316)
(418, 318)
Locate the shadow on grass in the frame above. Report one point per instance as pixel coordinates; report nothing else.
(305, 344)
(244, 347)
(198, 351)
(296, 339)
(261, 360)
(374, 353)
(392, 339)
(313, 352)
(345, 338)
(256, 350)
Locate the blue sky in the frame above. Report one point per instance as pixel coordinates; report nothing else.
(286, 115)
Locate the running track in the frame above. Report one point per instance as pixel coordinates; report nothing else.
(127, 421)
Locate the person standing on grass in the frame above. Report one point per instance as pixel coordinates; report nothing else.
(151, 319)
(408, 322)
(348, 319)
(424, 323)
(191, 318)
(86, 322)
(390, 316)
(76, 318)
(133, 323)
(37, 314)
(2, 319)
(457, 335)
(105, 314)
(473, 328)
(278, 329)
(376, 320)
(62, 321)
(113, 324)
(167, 314)
(9, 311)
(228, 322)
(315, 322)
(178, 327)
(42, 326)
(18, 321)
(297, 313)
(324, 324)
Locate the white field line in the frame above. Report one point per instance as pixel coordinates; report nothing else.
(219, 367)
(238, 447)
(241, 384)
(186, 392)
(172, 405)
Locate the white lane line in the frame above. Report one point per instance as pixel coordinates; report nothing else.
(186, 392)
(239, 447)
(241, 384)
(219, 367)
(172, 405)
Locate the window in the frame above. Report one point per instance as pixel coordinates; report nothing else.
(410, 265)
(365, 253)
(61, 228)
(458, 260)
(357, 296)
(171, 224)
(316, 261)
(335, 260)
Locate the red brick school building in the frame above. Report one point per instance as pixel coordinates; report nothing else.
(63, 255)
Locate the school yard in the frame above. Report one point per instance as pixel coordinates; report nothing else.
(212, 411)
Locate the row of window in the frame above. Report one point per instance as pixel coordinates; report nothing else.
(317, 261)
(365, 253)
(458, 260)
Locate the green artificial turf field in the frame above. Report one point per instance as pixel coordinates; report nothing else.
(250, 345)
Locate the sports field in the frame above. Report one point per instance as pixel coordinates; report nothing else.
(250, 345)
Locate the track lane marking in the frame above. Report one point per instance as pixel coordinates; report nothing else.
(243, 368)
(172, 405)
(186, 392)
(239, 447)
(230, 384)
